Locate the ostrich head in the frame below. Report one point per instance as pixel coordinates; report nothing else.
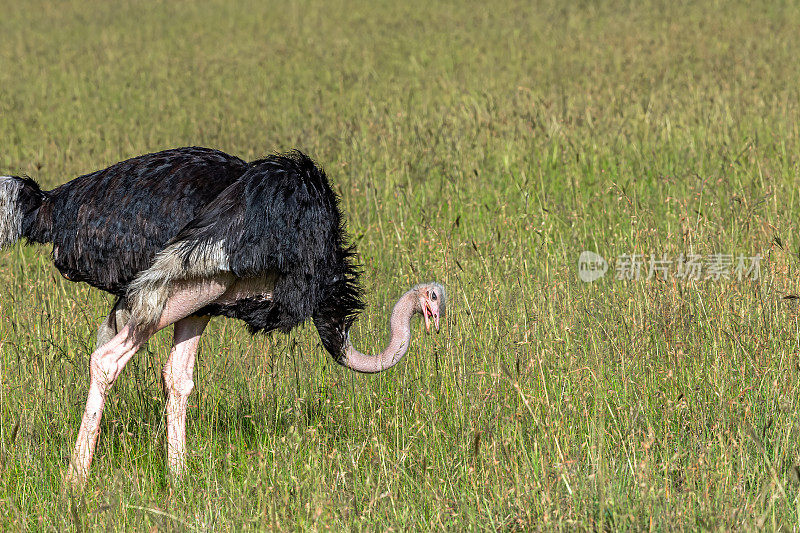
(431, 303)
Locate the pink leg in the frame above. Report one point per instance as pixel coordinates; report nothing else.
(108, 361)
(178, 384)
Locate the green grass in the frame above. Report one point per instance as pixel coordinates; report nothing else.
(482, 147)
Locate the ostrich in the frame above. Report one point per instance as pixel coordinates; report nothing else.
(182, 235)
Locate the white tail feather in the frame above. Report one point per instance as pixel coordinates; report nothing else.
(10, 213)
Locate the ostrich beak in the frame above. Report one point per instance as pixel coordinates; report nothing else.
(430, 310)
(425, 311)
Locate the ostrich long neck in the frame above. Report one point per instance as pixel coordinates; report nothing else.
(400, 327)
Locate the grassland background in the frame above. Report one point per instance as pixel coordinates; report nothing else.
(485, 147)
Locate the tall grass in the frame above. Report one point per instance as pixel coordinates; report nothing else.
(484, 147)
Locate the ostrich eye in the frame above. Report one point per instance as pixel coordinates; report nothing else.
(433, 295)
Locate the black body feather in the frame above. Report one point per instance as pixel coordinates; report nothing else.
(282, 216)
(107, 226)
(275, 215)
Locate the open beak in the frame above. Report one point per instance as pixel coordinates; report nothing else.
(429, 313)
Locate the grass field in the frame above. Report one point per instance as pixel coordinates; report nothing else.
(485, 148)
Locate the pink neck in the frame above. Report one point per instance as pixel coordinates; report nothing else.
(400, 327)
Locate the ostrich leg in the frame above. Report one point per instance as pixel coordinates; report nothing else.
(105, 366)
(178, 384)
(108, 361)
